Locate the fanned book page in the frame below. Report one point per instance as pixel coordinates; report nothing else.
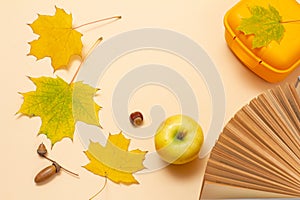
(259, 147)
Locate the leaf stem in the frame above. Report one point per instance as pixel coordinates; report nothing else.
(100, 189)
(88, 53)
(100, 20)
(290, 21)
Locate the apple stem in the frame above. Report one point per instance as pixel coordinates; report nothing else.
(180, 135)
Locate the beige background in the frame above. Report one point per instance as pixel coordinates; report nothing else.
(200, 20)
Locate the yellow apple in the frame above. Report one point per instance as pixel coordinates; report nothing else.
(178, 139)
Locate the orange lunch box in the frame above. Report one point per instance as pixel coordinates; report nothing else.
(276, 60)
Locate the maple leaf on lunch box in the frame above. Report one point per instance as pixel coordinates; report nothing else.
(60, 105)
(57, 39)
(114, 161)
(264, 24)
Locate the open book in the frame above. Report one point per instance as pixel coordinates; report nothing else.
(259, 147)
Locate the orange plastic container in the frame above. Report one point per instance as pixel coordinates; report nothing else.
(275, 61)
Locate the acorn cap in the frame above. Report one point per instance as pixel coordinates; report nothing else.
(42, 150)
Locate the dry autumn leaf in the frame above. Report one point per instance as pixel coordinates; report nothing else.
(114, 161)
(58, 40)
(60, 105)
(264, 24)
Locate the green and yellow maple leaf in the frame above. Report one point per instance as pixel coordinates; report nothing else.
(58, 40)
(60, 105)
(264, 24)
(114, 161)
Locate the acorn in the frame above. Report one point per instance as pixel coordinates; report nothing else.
(136, 118)
(51, 170)
(47, 173)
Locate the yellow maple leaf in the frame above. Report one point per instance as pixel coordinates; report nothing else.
(114, 161)
(58, 40)
(60, 105)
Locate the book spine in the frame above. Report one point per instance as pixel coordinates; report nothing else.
(297, 85)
